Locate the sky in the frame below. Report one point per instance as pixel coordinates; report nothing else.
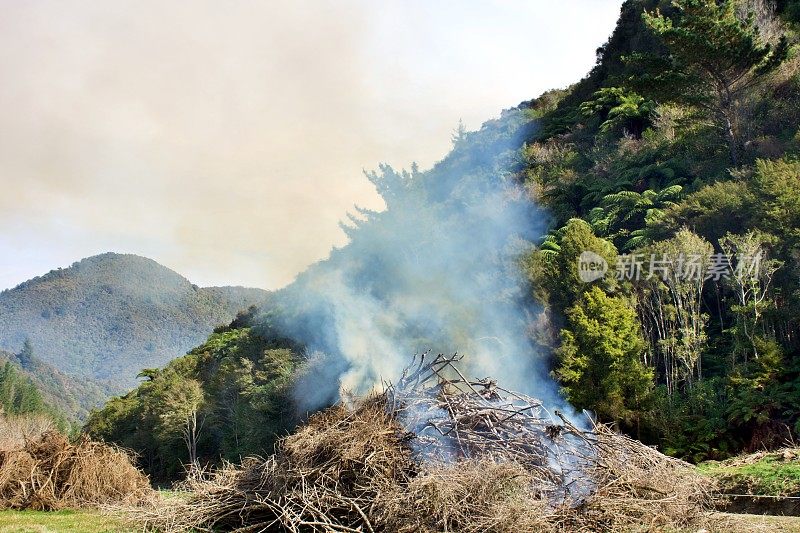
(226, 140)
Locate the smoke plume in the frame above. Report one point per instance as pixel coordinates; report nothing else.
(436, 270)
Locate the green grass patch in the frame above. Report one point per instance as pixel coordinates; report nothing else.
(773, 474)
(61, 522)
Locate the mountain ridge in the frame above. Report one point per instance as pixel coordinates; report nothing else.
(107, 316)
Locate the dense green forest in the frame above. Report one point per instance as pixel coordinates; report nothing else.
(227, 398)
(75, 397)
(683, 140)
(19, 396)
(679, 149)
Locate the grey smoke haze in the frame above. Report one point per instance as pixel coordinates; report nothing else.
(437, 270)
(226, 139)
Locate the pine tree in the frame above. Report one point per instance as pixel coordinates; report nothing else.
(715, 58)
(600, 359)
(26, 355)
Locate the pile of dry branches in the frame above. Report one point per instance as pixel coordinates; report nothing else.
(436, 452)
(50, 473)
(328, 476)
(589, 478)
(15, 430)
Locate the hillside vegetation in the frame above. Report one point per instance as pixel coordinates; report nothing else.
(19, 395)
(24, 411)
(73, 397)
(227, 398)
(682, 142)
(106, 317)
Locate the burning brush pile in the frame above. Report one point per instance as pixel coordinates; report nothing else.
(437, 452)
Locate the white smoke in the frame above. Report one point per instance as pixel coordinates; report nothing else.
(437, 270)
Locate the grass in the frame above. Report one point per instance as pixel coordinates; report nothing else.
(60, 522)
(70, 521)
(773, 474)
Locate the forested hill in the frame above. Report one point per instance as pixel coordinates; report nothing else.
(19, 396)
(67, 397)
(682, 142)
(108, 316)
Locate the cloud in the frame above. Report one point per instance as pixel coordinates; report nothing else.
(226, 140)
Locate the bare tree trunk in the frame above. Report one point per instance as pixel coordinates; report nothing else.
(730, 134)
(191, 434)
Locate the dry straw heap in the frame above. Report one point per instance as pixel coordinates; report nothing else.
(50, 473)
(436, 452)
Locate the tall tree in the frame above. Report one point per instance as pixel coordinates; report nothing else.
(554, 269)
(26, 355)
(669, 302)
(600, 359)
(750, 281)
(180, 415)
(716, 57)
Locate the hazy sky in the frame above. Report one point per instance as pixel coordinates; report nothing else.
(227, 139)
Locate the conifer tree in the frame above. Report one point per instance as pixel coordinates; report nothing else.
(600, 359)
(715, 58)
